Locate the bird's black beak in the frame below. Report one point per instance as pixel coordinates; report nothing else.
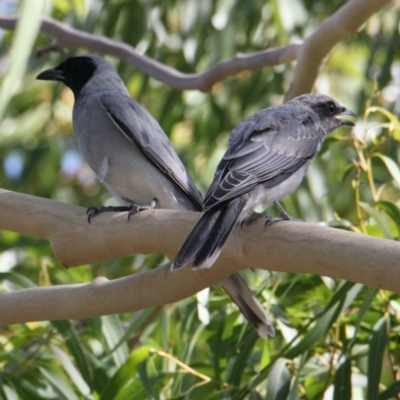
(52, 74)
(345, 111)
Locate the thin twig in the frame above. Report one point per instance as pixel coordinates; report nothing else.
(310, 54)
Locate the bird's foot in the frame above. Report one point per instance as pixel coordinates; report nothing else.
(251, 217)
(95, 211)
(137, 208)
(283, 215)
(132, 209)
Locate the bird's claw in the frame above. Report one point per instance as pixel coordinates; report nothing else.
(272, 220)
(132, 209)
(93, 212)
(254, 215)
(284, 216)
(136, 208)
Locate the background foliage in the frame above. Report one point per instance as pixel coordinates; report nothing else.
(334, 339)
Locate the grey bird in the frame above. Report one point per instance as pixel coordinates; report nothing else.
(268, 156)
(133, 157)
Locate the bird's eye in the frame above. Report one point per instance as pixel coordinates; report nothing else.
(331, 108)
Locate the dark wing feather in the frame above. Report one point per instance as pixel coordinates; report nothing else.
(143, 130)
(266, 148)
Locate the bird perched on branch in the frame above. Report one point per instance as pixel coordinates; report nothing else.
(130, 153)
(268, 156)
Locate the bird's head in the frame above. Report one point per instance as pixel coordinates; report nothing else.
(76, 71)
(327, 110)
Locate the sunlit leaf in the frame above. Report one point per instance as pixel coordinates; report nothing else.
(379, 219)
(17, 281)
(394, 126)
(392, 210)
(278, 381)
(113, 332)
(71, 370)
(25, 35)
(60, 386)
(391, 165)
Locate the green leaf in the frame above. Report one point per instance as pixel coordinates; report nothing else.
(76, 348)
(125, 373)
(60, 386)
(17, 281)
(323, 322)
(147, 381)
(392, 210)
(379, 219)
(352, 294)
(394, 126)
(9, 392)
(279, 378)
(113, 332)
(347, 170)
(71, 370)
(377, 345)
(26, 389)
(239, 366)
(133, 390)
(391, 165)
(368, 299)
(390, 392)
(294, 390)
(318, 331)
(25, 35)
(342, 381)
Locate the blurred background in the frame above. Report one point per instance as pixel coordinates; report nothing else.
(335, 339)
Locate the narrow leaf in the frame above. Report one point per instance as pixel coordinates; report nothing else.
(392, 210)
(391, 166)
(368, 299)
(76, 348)
(60, 386)
(342, 382)
(378, 218)
(390, 392)
(279, 378)
(377, 344)
(25, 35)
(72, 371)
(113, 332)
(125, 373)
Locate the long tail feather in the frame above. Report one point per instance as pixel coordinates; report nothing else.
(196, 239)
(248, 304)
(221, 230)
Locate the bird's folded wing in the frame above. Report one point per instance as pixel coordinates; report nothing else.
(144, 131)
(267, 149)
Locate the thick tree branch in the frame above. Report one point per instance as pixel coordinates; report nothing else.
(286, 246)
(310, 54)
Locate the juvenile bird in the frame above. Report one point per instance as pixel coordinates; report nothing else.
(130, 153)
(268, 156)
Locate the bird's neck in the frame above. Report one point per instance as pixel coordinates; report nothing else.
(100, 84)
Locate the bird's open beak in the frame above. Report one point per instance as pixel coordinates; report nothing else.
(345, 111)
(51, 75)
